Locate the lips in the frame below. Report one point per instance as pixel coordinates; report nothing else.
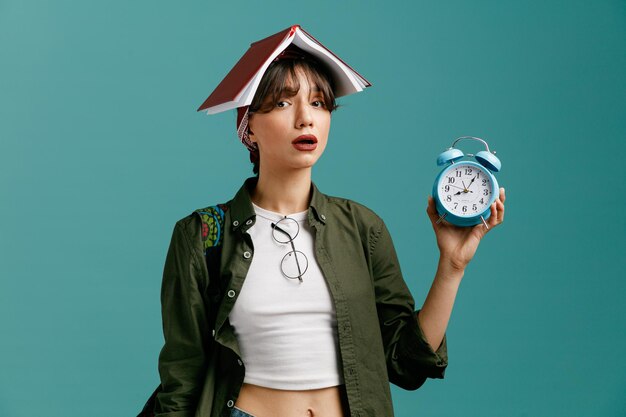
(305, 143)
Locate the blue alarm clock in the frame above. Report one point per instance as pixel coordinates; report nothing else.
(464, 190)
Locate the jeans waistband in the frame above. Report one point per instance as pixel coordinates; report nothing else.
(236, 412)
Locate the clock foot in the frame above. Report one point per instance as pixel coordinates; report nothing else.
(441, 218)
(484, 222)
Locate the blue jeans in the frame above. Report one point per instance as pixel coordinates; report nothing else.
(239, 413)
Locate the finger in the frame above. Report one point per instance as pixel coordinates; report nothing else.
(431, 209)
(481, 229)
(497, 213)
(493, 218)
(502, 195)
(500, 209)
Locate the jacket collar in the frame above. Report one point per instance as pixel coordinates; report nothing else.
(242, 213)
(317, 207)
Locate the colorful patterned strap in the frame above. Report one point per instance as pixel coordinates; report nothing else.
(212, 224)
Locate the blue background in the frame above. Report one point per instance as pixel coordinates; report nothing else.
(101, 151)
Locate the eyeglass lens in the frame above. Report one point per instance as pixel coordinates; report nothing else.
(295, 263)
(285, 230)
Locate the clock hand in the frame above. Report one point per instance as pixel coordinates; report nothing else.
(463, 192)
(455, 186)
(472, 181)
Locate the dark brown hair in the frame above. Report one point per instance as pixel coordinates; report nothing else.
(280, 81)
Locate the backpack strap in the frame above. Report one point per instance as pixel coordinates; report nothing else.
(212, 218)
(212, 225)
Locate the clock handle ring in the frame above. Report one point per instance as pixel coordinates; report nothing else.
(474, 138)
(486, 158)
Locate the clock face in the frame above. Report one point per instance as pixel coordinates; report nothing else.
(465, 190)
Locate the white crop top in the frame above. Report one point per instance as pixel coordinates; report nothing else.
(286, 329)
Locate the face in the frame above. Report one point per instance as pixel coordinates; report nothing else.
(293, 135)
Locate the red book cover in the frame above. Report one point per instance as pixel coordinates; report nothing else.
(245, 69)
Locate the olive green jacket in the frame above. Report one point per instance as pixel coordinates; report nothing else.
(379, 336)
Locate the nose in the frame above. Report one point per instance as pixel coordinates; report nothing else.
(304, 117)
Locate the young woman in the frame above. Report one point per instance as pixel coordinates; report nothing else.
(313, 317)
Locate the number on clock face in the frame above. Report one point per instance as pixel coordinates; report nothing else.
(465, 190)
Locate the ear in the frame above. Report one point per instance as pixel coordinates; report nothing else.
(251, 135)
(250, 132)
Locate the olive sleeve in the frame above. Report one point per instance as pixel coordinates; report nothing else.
(183, 358)
(410, 359)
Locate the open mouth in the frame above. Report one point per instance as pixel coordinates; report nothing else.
(305, 140)
(305, 143)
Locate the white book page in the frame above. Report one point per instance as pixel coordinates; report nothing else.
(346, 81)
(222, 107)
(349, 71)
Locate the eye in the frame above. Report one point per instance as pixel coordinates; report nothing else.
(282, 103)
(318, 103)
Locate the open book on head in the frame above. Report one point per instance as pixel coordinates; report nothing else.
(237, 89)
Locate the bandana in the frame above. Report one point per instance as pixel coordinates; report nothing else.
(242, 129)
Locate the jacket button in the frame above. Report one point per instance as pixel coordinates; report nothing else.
(247, 255)
(230, 403)
(213, 332)
(231, 293)
(322, 217)
(249, 222)
(236, 223)
(239, 362)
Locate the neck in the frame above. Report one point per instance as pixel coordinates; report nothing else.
(284, 193)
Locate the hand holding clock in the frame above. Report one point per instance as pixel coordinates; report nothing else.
(457, 245)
